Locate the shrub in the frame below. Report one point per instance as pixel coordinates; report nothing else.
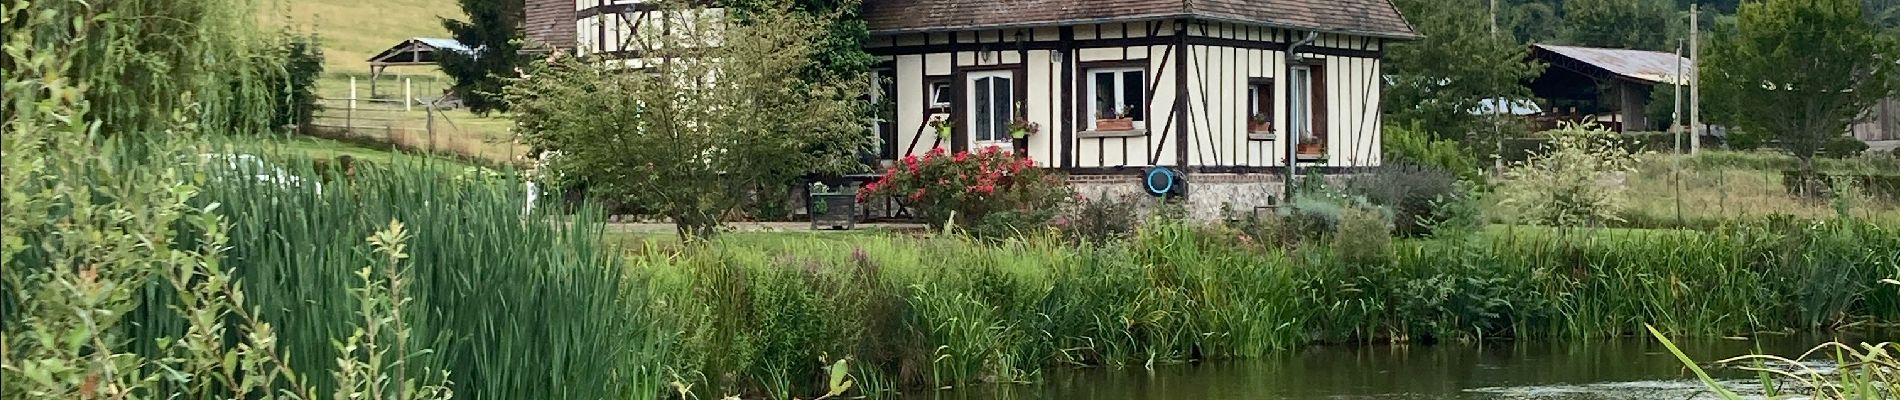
(996, 192)
(1319, 212)
(1363, 235)
(295, 89)
(1101, 220)
(1843, 147)
(1411, 192)
(1413, 145)
(694, 150)
(1577, 182)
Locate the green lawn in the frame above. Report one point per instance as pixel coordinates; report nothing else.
(354, 30)
(319, 148)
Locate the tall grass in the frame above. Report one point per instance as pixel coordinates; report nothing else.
(510, 305)
(943, 312)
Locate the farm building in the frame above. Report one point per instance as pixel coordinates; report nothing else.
(1611, 85)
(1881, 123)
(1220, 91)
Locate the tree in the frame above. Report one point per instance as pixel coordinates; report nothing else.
(1627, 24)
(840, 51)
(494, 51)
(1799, 71)
(1439, 80)
(1533, 22)
(699, 128)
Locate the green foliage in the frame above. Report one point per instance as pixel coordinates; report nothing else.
(295, 90)
(1439, 80)
(492, 33)
(1534, 21)
(839, 53)
(1578, 182)
(689, 148)
(947, 311)
(991, 190)
(373, 359)
(140, 60)
(1411, 192)
(1411, 144)
(481, 277)
(1867, 372)
(1621, 24)
(1101, 220)
(1774, 75)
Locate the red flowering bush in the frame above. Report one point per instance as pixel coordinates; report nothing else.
(990, 191)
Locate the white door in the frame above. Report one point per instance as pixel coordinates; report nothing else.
(992, 101)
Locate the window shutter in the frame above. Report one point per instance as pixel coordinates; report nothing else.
(1318, 88)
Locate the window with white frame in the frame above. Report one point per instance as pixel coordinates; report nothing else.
(939, 94)
(1260, 105)
(992, 101)
(1120, 99)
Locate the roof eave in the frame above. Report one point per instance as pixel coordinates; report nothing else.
(1405, 36)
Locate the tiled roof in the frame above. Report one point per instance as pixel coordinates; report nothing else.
(1362, 17)
(550, 23)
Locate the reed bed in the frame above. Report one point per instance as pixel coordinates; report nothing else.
(524, 305)
(511, 304)
(756, 316)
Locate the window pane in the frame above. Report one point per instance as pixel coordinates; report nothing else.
(1005, 107)
(1104, 95)
(1297, 115)
(1253, 100)
(982, 117)
(1132, 88)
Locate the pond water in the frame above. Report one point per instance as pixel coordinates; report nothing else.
(1631, 368)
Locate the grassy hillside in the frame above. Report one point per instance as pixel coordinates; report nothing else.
(354, 30)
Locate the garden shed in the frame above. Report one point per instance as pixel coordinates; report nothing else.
(411, 52)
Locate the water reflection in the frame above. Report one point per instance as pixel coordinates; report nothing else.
(1629, 368)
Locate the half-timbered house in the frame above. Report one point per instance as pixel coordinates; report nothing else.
(1220, 91)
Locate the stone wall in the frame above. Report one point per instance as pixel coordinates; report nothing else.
(1209, 195)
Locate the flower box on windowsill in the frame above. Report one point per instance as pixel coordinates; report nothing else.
(1262, 134)
(1117, 124)
(1112, 134)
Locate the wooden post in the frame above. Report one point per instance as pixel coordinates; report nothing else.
(408, 95)
(349, 116)
(430, 125)
(1675, 117)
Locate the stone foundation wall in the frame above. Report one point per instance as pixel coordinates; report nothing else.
(1209, 195)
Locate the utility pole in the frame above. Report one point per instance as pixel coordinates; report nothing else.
(1695, 86)
(1675, 117)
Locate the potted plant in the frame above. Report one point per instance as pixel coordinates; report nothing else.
(943, 125)
(1117, 121)
(1260, 123)
(830, 207)
(1311, 146)
(1022, 127)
